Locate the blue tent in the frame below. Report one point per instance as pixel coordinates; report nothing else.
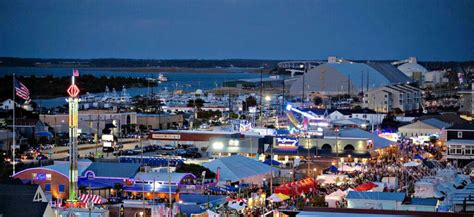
(419, 157)
(272, 162)
(44, 134)
(333, 169)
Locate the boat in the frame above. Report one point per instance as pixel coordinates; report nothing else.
(162, 77)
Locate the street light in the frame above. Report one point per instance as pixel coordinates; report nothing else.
(139, 213)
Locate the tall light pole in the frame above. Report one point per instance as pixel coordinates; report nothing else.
(261, 95)
(73, 101)
(302, 94)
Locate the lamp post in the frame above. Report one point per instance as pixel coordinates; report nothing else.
(139, 213)
(302, 94)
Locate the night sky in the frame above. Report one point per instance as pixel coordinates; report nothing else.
(253, 29)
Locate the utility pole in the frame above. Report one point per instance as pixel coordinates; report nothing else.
(14, 130)
(302, 94)
(261, 94)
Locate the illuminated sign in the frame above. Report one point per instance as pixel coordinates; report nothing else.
(165, 136)
(286, 142)
(90, 175)
(41, 176)
(107, 137)
(73, 90)
(107, 144)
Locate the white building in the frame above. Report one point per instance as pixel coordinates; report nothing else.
(7, 104)
(388, 98)
(467, 102)
(426, 127)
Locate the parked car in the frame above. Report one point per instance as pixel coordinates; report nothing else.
(41, 157)
(118, 152)
(128, 152)
(191, 154)
(169, 147)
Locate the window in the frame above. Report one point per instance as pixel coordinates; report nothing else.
(48, 177)
(364, 116)
(61, 188)
(459, 135)
(33, 175)
(47, 187)
(468, 151)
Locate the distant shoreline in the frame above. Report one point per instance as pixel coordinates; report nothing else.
(155, 69)
(182, 69)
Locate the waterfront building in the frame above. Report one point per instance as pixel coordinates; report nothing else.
(160, 121)
(460, 144)
(342, 143)
(345, 77)
(388, 98)
(200, 139)
(427, 127)
(91, 121)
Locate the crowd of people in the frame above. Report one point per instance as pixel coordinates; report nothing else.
(390, 162)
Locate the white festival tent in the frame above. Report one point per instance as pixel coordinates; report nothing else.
(334, 198)
(411, 164)
(390, 182)
(331, 178)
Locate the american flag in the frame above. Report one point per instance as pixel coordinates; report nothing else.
(21, 90)
(75, 73)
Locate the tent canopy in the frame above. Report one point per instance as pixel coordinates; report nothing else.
(365, 187)
(237, 167)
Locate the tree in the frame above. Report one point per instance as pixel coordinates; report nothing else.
(317, 100)
(198, 103)
(389, 122)
(146, 105)
(196, 170)
(249, 102)
(232, 115)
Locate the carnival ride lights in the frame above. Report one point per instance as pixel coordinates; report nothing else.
(307, 118)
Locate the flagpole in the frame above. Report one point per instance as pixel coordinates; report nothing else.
(14, 133)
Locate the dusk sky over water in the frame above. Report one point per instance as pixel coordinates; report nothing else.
(365, 29)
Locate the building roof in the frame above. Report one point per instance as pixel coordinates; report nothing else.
(451, 118)
(396, 196)
(409, 68)
(378, 141)
(162, 176)
(464, 126)
(120, 170)
(17, 200)
(333, 78)
(63, 167)
(427, 123)
(389, 71)
(436, 123)
(459, 142)
(351, 121)
(424, 201)
(237, 167)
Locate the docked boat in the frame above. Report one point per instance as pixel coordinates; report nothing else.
(162, 77)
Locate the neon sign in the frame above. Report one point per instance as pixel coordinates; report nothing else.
(286, 142)
(73, 90)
